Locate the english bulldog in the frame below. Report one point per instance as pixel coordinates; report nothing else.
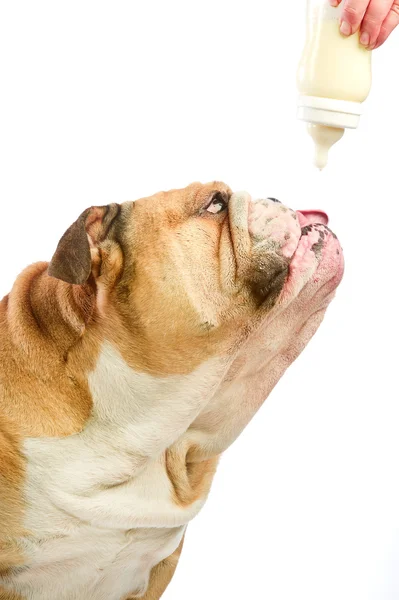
(128, 364)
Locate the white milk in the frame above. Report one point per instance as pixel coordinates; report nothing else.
(334, 78)
(324, 137)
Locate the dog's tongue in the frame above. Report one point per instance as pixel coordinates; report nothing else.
(308, 217)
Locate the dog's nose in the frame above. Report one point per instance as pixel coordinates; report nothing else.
(272, 224)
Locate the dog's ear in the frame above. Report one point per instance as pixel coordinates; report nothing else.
(72, 261)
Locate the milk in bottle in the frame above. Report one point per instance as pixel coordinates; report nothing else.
(334, 78)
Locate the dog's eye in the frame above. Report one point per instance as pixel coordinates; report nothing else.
(218, 203)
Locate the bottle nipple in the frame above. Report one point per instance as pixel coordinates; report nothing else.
(324, 137)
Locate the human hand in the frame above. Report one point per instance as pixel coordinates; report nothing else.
(376, 19)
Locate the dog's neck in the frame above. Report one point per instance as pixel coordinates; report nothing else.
(149, 412)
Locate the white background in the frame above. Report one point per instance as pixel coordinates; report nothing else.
(110, 101)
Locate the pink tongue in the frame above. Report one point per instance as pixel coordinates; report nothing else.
(308, 217)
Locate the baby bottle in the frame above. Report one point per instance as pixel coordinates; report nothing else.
(334, 78)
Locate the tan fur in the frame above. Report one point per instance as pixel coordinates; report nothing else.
(4, 595)
(11, 504)
(43, 319)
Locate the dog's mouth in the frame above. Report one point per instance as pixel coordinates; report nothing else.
(312, 217)
(314, 223)
(317, 262)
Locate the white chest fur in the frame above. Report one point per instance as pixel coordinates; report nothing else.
(100, 503)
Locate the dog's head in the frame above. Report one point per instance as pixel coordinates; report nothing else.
(188, 274)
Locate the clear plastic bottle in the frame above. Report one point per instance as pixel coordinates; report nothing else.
(334, 78)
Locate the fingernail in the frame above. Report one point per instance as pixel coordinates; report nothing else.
(334, 2)
(345, 28)
(365, 39)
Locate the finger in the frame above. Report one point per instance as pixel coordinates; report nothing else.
(352, 15)
(376, 14)
(335, 2)
(388, 25)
